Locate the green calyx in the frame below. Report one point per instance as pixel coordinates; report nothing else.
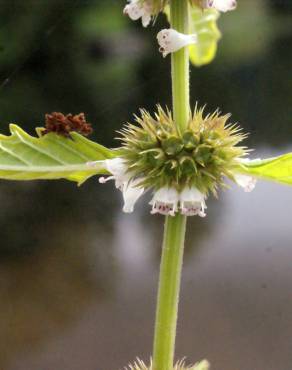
(201, 156)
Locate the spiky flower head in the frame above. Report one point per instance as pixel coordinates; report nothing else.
(200, 157)
(203, 365)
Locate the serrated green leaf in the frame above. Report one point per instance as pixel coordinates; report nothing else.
(278, 169)
(24, 157)
(204, 24)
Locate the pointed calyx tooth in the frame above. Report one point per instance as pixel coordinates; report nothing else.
(170, 41)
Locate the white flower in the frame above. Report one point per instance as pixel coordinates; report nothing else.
(170, 41)
(165, 201)
(221, 5)
(131, 193)
(139, 9)
(192, 202)
(248, 183)
(118, 169)
(123, 180)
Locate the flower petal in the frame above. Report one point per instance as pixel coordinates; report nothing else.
(171, 41)
(192, 202)
(221, 5)
(131, 193)
(165, 201)
(248, 183)
(139, 9)
(116, 166)
(146, 19)
(134, 10)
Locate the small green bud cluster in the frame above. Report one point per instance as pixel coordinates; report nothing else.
(201, 156)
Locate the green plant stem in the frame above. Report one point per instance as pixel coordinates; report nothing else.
(175, 227)
(168, 293)
(179, 18)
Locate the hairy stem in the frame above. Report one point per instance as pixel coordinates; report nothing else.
(168, 295)
(175, 227)
(179, 18)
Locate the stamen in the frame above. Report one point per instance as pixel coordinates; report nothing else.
(103, 180)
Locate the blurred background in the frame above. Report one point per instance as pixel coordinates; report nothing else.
(77, 277)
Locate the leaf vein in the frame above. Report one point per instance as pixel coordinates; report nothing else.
(37, 149)
(13, 154)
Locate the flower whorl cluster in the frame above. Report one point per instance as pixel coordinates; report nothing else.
(199, 158)
(181, 168)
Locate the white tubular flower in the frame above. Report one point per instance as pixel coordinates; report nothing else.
(171, 41)
(165, 201)
(137, 9)
(192, 202)
(221, 5)
(129, 187)
(248, 183)
(131, 193)
(118, 169)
